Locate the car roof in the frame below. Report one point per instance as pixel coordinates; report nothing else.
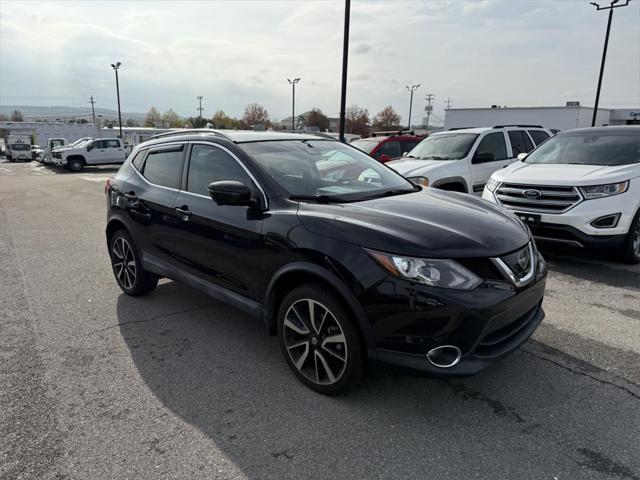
(238, 136)
(608, 128)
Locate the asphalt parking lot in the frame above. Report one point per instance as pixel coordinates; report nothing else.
(95, 384)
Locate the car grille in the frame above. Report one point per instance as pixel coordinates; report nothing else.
(499, 341)
(537, 198)
(481, 267)
(57, 155)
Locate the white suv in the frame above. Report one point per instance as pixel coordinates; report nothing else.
(580, 188)
(98, 151)
(463, 159)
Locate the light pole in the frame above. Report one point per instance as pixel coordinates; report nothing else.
(115, 68)
(293, 106)
(611, 6)
(411, 89)
(200, 106)
(345, 61)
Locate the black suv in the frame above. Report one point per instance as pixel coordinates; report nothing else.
(341, 257)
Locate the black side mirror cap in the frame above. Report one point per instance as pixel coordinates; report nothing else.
(231, 192)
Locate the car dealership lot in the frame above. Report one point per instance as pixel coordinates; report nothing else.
(176, 385)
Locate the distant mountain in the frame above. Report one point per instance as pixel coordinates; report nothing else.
(30, 112)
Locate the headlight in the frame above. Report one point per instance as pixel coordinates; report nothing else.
(598, 191)
(422, 181)
(433, 272)
(492, 184)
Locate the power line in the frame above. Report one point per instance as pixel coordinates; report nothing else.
(429, 108)
(200, 106)
(449, 102)
(93, 111)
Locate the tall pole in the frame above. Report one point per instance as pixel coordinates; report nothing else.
(611, 6)
(345, 61)
(200, 106)
(293, 103)
(411, 89)
(93, 110)
(428, 109)
(116, 67)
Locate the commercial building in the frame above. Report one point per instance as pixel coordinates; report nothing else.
(572, 115)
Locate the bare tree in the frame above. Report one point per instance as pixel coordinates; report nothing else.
(16, 116)
(357, 120)
(255, 114)
(317, 119)
(387, 119)
(153, 118)
(171, 119)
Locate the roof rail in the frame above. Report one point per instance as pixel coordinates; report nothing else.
(186, 131)
(521, 126)
(392, 133)
(460, 128)
(309, 132)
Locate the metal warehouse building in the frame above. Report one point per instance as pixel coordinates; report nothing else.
(561, 118)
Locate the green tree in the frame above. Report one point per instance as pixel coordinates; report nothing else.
(255, 114)
(153, 118)
(171, 119)
(387, 119)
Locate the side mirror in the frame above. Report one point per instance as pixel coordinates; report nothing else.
(522, 156)
(89, 148)
(231, 192)
(384, 158)
(482, 157)
(404, 154)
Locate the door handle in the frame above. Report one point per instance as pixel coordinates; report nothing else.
(183, 212)
(131, 196)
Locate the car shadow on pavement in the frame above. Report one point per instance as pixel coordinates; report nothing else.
(220, 371)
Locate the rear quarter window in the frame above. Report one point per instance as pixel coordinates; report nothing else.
(164, 167)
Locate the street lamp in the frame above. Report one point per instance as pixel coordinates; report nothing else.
(411, 89)
(611, 6)
(293, 107)
(115, 68)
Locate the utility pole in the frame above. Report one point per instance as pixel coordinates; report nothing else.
(345, 61)
(611, 6)
(429, 108)
(93, 110)
(200, 106)
(293, 104)
(449, 102)
(116, 67)
(411, 89)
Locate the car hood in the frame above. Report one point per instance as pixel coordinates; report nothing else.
(570, 175)
(431, 223)
(410, 167)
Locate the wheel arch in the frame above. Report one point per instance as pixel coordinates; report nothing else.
(442, 182)
(77, 157)
(298, 273)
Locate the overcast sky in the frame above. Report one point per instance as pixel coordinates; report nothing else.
(507, 52)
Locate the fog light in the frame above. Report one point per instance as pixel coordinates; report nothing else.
(608, 221)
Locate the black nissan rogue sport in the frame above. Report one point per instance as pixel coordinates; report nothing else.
(342, 258)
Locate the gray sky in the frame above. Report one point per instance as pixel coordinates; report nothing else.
(506, 52)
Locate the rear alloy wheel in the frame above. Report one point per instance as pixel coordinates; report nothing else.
(127, 268)
(75, 165)
(631, 252)
(319, 341)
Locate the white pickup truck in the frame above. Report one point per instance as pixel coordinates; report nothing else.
(99, 151)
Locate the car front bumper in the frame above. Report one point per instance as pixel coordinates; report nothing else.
(486, 324)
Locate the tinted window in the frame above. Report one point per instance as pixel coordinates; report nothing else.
(389, 148)
(598, 147)
(409, 145)
(164, 167)
(538, 136)
(137, 160)
(113, 143)
(493, 143)
(210, 164)
(520, 143)
(99, 144)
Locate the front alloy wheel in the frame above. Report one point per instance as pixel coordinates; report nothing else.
(631, 250)
(132, 278)
(319, 340)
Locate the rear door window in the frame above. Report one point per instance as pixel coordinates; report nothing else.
(538, 136)
(520, 142)
(164, 166)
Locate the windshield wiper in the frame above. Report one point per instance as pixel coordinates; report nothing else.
(435, 157)
(318, 198)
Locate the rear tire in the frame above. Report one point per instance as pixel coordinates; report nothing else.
(320, 341)
(132, 278)
(75, 165)
(631, 248)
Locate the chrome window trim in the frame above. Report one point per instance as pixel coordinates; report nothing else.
(518, 282)
(232, 155)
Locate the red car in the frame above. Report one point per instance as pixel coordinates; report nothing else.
(385, 146)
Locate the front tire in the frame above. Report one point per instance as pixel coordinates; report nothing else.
(75, 165)
(631, 249)
(132, 278)
(320, 341)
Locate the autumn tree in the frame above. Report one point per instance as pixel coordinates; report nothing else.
(317, 119)
(387, 119)
(171, 119)
(255, 114)
(223, 121)
(357, 120)
(153, 118)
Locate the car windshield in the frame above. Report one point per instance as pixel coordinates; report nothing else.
(20, 147)
(325, 170)
(446, 146)
(597, 147)
(366, 146)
